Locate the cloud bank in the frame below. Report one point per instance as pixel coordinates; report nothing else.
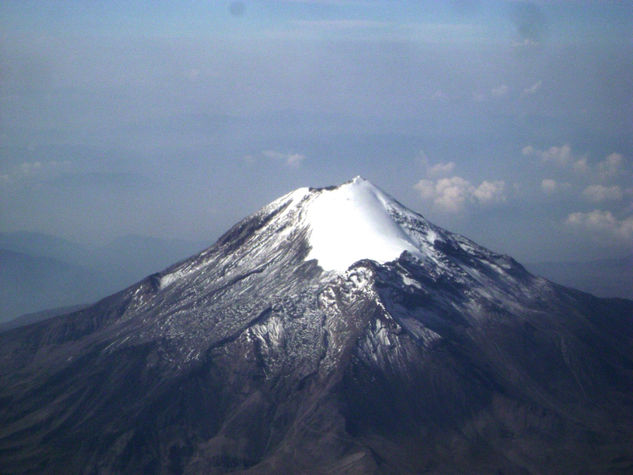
(452, 194)
(598, 221)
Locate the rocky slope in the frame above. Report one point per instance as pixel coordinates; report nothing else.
(333, 331)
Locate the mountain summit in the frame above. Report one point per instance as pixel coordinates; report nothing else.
(333, 331)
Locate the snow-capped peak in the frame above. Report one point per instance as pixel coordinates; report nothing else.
(353, 222)
(343, 225)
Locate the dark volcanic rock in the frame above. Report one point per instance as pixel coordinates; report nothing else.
(255, 356)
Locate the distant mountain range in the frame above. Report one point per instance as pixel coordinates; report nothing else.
(41, 272)
(29, 283)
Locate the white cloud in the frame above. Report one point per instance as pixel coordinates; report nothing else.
(295, 159)
(603, 222)
(598, 193)
(452, 194)
(528, 91)
(426, 188)
(500, 91)
(440, 169)
(593, 219)
(550, 186)
(558, 155)
(561, 156)
(290, 159)
(448, 194)
(490, 192)
(610, 166)
(581, 165)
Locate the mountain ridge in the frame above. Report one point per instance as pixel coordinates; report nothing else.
(250, 356)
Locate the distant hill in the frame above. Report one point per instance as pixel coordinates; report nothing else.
(39, 244)
(603, 278)
(128, 259)
(40, 272)
(30, 283)
(29, 318)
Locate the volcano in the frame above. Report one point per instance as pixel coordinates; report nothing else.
(333, 331)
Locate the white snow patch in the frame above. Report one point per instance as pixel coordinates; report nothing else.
(270, 332)
(382, 334)
(168, 279)
(406, 280)
(352, 223)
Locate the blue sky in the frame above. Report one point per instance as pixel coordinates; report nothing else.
(509, 122)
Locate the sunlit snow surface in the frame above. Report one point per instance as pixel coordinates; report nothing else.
(352, 223)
